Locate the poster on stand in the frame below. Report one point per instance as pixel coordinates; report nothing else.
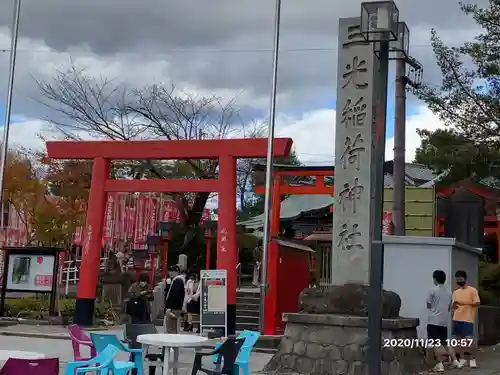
(30, 272)
(213, 306)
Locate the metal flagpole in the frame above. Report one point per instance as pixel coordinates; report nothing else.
(269, 165)
(8, 104)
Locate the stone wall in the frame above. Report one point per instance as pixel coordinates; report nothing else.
(325, 344)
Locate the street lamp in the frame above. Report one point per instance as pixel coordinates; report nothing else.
(380, 26)
(209, 227)
(399, 48)
(164, 229)
(379, 21)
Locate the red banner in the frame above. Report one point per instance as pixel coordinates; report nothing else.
(120, 227)
(140, 220)
(153, 216)
(108, 218)
(130, 218)
(387, 223)
(131, 222)
(77, 237)
(170, 211)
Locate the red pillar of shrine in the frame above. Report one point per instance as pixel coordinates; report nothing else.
(91, 252)
(227, 249)
(271, 302)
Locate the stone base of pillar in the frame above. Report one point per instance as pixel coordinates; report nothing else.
(322, 344)
(330, 335)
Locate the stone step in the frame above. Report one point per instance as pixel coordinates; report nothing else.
(247, 319)
(247, 306)
(247, 300)
(248, 292)
(249, 326)
(247, 312)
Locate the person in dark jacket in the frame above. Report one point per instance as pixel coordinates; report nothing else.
(137, 304)
(174, 300)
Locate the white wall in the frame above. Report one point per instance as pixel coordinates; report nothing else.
(410, 262)
(408, 269)
(463, 258)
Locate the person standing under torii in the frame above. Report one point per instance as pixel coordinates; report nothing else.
(174, 299)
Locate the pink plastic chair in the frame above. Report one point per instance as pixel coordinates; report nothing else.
(46, 366)
(79, 337)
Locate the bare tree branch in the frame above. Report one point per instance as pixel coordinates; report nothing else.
(83, 105)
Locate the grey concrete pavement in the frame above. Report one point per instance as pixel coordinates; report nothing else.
(62, 349)
(488, 361)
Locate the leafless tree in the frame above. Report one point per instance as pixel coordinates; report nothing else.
(81, 105)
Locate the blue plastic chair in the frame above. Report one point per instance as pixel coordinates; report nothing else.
(242, 362)
(101, 364)
(101, 341)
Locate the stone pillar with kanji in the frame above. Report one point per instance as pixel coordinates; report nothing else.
(330, 334)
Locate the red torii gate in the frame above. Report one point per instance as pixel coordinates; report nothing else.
(227, 151)
(272, 320)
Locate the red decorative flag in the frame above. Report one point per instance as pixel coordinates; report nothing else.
(387, 223)
(108, 218)
(153, 216)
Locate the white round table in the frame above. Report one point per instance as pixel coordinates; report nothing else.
(174, 342)
(6, 354)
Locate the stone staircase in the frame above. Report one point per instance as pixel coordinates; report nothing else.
(247, 309)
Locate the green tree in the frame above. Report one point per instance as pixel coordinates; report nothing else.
(446, 150)
(468, 100)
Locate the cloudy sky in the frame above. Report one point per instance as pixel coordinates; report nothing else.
(215, 46)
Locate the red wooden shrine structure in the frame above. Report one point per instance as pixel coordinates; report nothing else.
(226, 151)
(491, 218)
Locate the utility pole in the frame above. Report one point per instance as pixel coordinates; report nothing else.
(399, 165)
(269, 166)
(398, 174)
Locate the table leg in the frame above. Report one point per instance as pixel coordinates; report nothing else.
(166, 359)
(175, 370)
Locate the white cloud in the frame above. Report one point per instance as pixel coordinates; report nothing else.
(314, 138)
(26, 133)
(313, 133)
(423, 119)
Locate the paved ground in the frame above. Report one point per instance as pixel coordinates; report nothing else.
(53, 347)
(52, 341)
(488, 363)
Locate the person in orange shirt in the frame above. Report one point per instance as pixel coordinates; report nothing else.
(465, 301)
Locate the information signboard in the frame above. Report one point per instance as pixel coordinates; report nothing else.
(213, 306)
(28, 270)
(33, 273)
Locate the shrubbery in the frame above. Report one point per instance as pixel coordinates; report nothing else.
(38, 308)
(489, 283)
